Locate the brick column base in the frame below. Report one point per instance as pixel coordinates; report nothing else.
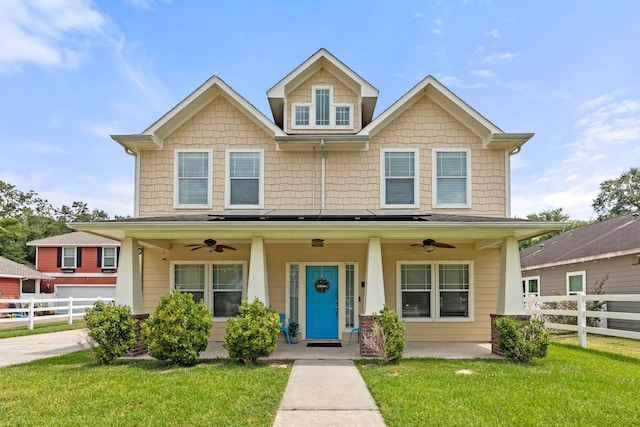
(495, 334)
(366, 326)
(138, 349)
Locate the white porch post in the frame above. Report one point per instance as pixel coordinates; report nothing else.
(510, 299)
(257, 286)
(374, 287)
(129, 281)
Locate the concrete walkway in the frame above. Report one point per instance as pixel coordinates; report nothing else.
(39, 346)
(327, 393)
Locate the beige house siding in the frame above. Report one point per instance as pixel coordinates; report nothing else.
(341, 94)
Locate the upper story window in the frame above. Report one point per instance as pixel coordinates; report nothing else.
(244, 187)
(322, 112)
(192, 178)
(399, 181)
(576, 282)
(109, 258)
(69, 257)
(451, 181)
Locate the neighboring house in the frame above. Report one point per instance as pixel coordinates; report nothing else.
(81, 264)
(16, 279)
(326, 191)
(574, 261)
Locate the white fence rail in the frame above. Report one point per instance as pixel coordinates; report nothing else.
(538, 306)
(39, 309)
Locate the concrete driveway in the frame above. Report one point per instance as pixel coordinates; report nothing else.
(40, 346)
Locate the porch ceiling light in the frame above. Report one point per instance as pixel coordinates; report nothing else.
(429, 248)
(317, 243)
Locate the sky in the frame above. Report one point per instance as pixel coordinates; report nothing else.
(74, 72)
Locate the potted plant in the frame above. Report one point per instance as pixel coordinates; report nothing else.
(293, 331)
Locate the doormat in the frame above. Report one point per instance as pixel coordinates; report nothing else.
(324, 344)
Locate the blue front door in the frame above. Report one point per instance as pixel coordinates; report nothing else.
(322, 302)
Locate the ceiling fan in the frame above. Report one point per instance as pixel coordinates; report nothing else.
(430, 245)
(211, 245)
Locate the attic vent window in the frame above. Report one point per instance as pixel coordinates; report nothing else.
(322, 112)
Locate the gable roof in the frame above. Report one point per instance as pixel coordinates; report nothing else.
(491, 135)
(322, 59)
(76, 238)
(614, 237)
(13, 269)
(153, 137)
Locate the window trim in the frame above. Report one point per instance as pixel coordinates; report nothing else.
(582, 273)
(75, 258)
(115, 257)
(416, 178)
(434, 182)
(525, 283)
(435, 292)
(227, 179)
(312, 111)
(208, 279)
(176, 179)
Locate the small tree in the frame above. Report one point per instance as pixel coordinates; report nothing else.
(387, 336)
(178, 330)
(253, 333)
(110, 331)
(522, 341)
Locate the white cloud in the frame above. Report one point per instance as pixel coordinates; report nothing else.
(418, 15)
(483, 73)
(146, 4)
(495, 33)
(45, 33)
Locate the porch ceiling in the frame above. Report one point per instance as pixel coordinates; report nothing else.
(333, 226)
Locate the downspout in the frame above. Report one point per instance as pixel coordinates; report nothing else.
(323, 174)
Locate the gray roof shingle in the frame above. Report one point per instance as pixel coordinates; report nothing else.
(76, 238)
(10, 268)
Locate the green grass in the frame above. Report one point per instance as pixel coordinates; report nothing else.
(40, 328)
(71, 390)
(624, 346)
(571, 386)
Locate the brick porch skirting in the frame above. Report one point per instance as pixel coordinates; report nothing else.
(138, 349)
(366, 326)
(495, 334)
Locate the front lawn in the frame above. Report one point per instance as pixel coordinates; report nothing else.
(40, 328)
(71, 390)
(571, 386)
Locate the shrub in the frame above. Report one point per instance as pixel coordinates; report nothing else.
(387, 336)
(110, 331)
(253, 333)
(522, 341)
(178, 330)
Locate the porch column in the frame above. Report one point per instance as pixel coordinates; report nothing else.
(510, 299)
(257, 287)
(374, 287)
(129, 282)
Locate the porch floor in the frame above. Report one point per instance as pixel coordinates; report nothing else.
(437, 350)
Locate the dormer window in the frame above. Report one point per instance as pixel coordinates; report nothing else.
(322, 112)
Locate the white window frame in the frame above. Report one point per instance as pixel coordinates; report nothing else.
(434, 155)
(312, 112)
(582, 273)
(64, 256)
(176, 179)
(114, 256)
(525, 284)
(416, 177)
(227, 189)
(435, 292)
(208, 280)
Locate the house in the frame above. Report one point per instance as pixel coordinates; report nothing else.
(574, 261)
(16, 279)
(80, 264)
(326, 212)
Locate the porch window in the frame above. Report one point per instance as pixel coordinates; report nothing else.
(415, 285)
(399, 182)
(109, 258)
(244, 183)
(350, 298)
(451, 180)
(453, 285)
(294, 286)
(576, 282)
(193, 178)
(190, 279)
(227, 289)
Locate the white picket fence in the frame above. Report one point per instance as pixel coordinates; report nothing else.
(34, 310)
(536, 306)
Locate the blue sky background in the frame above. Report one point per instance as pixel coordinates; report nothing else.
(74, 72)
